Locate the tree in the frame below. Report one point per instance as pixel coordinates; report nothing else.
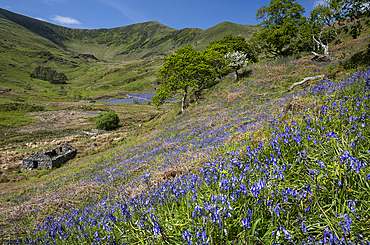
(353, 10)
(319, 26)
(186, 69)
(107, 121)
(281, 22)
(222, 54)
(229, 43)
(236, 61)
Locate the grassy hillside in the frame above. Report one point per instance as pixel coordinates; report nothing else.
(252, 163)
(129, 42)
(101, 62)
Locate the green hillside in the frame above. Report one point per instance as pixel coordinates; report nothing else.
(135, 41)
(279, 156)
(116, 60)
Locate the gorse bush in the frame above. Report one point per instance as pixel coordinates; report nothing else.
(307, 183)
(107, 121)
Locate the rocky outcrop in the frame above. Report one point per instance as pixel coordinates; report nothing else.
(49, 159)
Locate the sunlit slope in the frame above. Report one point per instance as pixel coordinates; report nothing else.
(130, 42)
(217, 32)
(26, 43)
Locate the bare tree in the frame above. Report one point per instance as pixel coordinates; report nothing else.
(320, 46)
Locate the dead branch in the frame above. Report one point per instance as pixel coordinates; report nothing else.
(323, 46)
(305, 80)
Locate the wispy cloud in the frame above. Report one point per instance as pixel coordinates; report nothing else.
(5, 7)
(65, 20)
(127, 11)
(38, 18)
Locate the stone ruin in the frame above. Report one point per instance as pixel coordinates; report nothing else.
(49, 159)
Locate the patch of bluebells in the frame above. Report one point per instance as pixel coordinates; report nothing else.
(286, 181)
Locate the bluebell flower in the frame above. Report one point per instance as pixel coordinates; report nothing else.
(303, 227)
(245, 222)
(186, 236)
(156, 228)
(286, 233)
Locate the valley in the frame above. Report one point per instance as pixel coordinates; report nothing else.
(250, 161)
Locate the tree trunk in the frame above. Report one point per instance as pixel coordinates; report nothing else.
(183, 100)
(236, 75)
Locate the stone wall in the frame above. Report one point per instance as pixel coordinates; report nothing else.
(49, 159)
(57, 161)
(36, 160)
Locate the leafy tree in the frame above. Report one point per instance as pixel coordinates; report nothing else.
(317, 31)
(186, 69)
(352, 10)
(228, 46)
(281, 22)
(107, 121)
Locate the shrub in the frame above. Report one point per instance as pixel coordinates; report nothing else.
(107, 121)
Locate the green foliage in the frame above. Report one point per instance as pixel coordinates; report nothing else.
(319, 24)
(47, 74)
(14, 119)
(217, 51)
(355, 11)
(184, 70)
(23, 107)
(282, 20)
(358, 59)
(230, 43)
(107, 121)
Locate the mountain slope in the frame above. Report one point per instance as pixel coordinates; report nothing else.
(26, 43)
(128, 42)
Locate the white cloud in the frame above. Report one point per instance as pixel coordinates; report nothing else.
(5, 7)
(38, 18)
(65, 20)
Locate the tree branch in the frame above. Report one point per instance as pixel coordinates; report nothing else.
(305, 80)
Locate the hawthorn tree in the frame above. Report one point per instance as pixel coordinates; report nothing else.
(230, 54)
(186, 69)
(281, 22)
(236, 60)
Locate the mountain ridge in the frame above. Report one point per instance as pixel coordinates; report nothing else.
(146, 39)
(26, 43)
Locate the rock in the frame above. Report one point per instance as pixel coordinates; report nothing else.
(93, 145)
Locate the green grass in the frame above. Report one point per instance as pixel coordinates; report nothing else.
(14, 119)
(125, 65)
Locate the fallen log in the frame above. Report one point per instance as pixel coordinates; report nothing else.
(305, 80)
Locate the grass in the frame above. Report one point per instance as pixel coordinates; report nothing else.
(302, 176)
(250, 164)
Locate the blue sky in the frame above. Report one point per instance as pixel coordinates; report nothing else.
(94, 14)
